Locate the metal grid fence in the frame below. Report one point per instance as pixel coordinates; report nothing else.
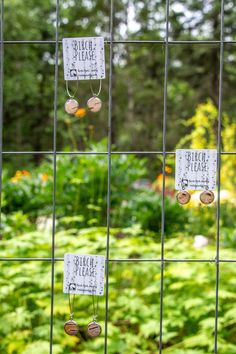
(162, 260)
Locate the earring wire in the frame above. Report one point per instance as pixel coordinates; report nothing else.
(99, 90)
(68, 91)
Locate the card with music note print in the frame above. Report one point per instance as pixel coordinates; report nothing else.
(83, 274)
(195, 169)
(84, 58)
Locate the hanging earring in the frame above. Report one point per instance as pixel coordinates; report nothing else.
(93, 328)
(183, 197)
(71, 105)
(71, 327)
(94, 103)
(207, 197)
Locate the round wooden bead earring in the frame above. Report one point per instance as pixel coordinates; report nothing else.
(207, 197)
(94, 103)
(183, 197)
(71, 105)
(71, 327)
(94, 329)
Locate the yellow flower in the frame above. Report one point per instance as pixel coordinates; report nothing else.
(44, 177)
(14, 179)
(18, 174)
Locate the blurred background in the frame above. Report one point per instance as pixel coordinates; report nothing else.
(136, 179)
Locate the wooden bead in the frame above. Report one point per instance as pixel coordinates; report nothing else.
(94, 329)
(94, 104)
(183, 197)
(71, 328)
(71, 106)
(207, 197)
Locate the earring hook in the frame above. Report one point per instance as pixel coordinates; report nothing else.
(99, 90)
(77, 87)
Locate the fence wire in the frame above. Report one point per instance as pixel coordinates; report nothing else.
(162, 260)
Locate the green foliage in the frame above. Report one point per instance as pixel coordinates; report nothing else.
(81, 194)
(145, 208)
(202, 221)
(189, 296)
(81, 198)
(30, 192)
(10, 221)
(81, 185)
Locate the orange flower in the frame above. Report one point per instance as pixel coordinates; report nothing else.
(160, 177)
(19, 174)
(25, 173)
(80, 113)
(168, 169)
(44, 177)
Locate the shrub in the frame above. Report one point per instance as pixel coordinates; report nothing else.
(189, 296)
(145, 208)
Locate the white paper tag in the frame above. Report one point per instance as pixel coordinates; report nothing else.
(84, 58)
(83, 274)
(195, 169)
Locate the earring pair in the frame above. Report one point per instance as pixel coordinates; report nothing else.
(206, 197)
(94, 103)
(72, 328)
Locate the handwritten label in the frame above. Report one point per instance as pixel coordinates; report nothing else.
(84, 58)
(83, 274)
(195, 169)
